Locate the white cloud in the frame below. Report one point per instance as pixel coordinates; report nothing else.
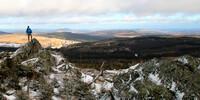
(99, 11)
(109, 18)
(93, 7)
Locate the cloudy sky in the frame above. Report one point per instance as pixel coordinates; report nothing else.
(100, 14)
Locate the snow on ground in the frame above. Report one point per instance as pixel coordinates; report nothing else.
(55, 98)
(98, 88)
(132, 89)
(179, 95)
(10, 45)
(154, 78)
(108, 74)
(173, 87)
(58, 58)
(86, 78)
(107, 86)
(32, 61)
(10, 92)
(130, 68)
(10, 97)
(183, 60)
(56, 91)
(198, 67)
(111, 71)
(133, 67)
(33, 94)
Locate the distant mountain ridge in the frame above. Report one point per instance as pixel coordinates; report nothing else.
(74, 36)
(2, 32)
(100, 35)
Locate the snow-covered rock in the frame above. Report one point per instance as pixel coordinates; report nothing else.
(34, 73)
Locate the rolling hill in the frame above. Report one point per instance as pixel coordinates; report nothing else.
(2, 32)
(45, 41)
(74, 36)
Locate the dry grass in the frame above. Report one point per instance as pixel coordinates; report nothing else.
(45, 41)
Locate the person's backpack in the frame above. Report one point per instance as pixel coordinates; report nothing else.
(29, 31)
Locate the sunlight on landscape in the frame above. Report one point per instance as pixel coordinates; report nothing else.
(45, 41)
(99, 49)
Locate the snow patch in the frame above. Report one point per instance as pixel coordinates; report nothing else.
(32, 61)
(10, 92)
(112, 71)
(173, 87)
(133, 67)
(179, 95)
(10, 45)
(136, 55)
(52, 76)
(130, 68)
(33, 93)
(107, 86)
(55, 98)
(58, 58)
(86, 78)
(56, 91)
(154, 78)
(183, 60)
(10, 97)
(132, 89)
(198, 67)
(98, 88)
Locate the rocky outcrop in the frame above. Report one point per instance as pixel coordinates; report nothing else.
(167, 78)
(36, 73)
(33, 72)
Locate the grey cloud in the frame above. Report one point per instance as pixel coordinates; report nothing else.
(95, 7)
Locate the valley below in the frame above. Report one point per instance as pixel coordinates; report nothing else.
(122, 52)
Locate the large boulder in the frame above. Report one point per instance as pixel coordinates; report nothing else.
(27, 51)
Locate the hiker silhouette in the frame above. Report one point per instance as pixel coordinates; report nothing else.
(29, 33)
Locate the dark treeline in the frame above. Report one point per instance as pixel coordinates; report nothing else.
(8, 49)
(122, 52)
(133, 48)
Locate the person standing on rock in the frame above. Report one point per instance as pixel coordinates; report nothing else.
(29, 33)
